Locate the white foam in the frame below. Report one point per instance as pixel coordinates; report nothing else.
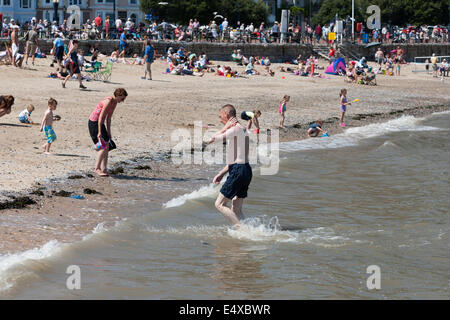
(441, 112)
(99, 228)
(353, 136)
(259, 229)
(262, 229)
(205, 191)
(269, 230)
(9, 261)
(204, 231)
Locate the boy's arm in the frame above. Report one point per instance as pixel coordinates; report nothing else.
(222, 133)
(227, 126)
(220, 175)
(44, 120)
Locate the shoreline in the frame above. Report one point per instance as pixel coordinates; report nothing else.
(46, 211)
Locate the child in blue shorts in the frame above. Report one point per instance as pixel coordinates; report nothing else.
(46, 125)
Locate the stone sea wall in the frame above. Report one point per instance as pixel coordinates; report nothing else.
(275, 52)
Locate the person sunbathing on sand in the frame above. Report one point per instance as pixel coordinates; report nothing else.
(114, 55)
(286, 69)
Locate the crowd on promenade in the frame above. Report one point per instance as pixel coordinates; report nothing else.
(223, 31)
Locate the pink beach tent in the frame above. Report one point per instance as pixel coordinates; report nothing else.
(336, 66)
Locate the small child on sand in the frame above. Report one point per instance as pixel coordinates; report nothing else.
(252, 118)
(47, 123)
(25, 115)
(282, 110)
(344, 103)
(315, 128)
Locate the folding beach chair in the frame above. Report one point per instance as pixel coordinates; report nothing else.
(91, 68)
(101, 74)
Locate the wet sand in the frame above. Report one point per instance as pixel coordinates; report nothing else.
(142, 128)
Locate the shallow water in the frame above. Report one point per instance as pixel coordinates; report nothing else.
(375, 195)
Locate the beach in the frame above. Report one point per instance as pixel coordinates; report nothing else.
(142, 128)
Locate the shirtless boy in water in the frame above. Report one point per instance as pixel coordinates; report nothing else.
(240, 173)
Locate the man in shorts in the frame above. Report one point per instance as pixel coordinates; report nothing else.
(58, 51)
(15, 43)
(123, 43)
(239, 171)
(379, 55)
(32, 44)
(434, 62)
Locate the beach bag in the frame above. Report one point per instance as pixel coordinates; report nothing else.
(111, 145)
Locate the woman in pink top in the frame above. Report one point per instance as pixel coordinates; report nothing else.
(100, 133)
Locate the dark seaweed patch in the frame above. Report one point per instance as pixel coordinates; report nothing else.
(17, 203)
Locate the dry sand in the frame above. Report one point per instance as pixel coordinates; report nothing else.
(144, 122)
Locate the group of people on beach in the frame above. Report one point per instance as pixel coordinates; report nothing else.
(99, 124)
(100, 120)
(238, 168)
(239, 171)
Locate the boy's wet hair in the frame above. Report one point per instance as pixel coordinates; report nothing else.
(30, 108)
(52, 101)
(257, 112)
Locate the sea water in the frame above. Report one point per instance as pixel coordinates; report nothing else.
(373, 196)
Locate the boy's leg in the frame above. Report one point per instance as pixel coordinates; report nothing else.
(236, 207)
(221, 205)
(47, 147)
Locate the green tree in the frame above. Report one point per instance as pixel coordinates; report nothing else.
(180, 11)
(397, 12)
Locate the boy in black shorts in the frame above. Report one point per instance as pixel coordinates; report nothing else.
(240, 173)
